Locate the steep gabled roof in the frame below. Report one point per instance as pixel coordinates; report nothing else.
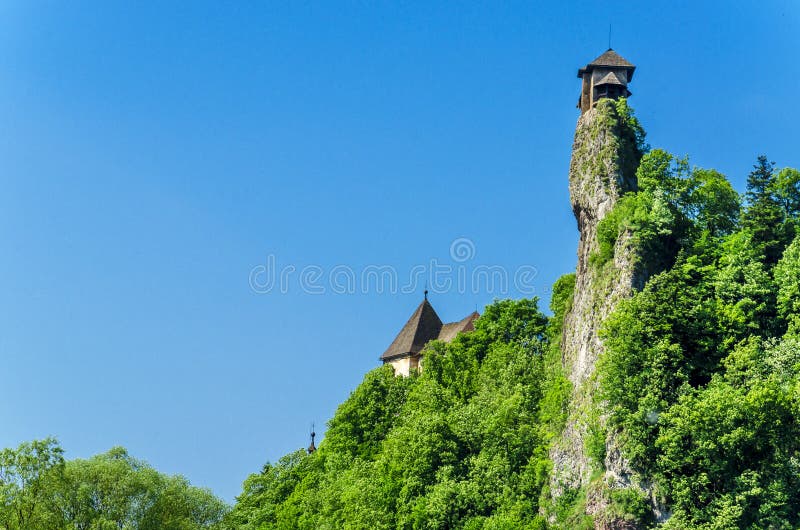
(609, 59)
(423, 326)
(449, 331)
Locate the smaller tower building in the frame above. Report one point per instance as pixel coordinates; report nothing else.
(605, 77)
(405, 352)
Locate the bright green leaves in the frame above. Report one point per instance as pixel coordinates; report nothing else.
(362, 422)
(770, 206)
(631, 125)
(695, 370)
(561, 299)
(674, 205)
(653, 216)
(511, 322)
(39, 490)
(656, 343)
(28, 478)
(661, 172)
(787, 278)
(727, 452)
(744, 289)
(702, 195)
(712, 202)
(786, 188)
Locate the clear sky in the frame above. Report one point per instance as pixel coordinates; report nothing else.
(153, 156)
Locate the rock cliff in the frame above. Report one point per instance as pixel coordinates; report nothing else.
(603, 168)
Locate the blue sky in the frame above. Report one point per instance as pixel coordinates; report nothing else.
(153, 156)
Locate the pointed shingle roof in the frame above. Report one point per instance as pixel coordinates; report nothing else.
(609, 59)
(423, 326)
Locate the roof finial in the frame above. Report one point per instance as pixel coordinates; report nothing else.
(609, 35)
(426, 290)
(312, 447)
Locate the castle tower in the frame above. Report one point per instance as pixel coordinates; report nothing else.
(605, 77)
(405, 352)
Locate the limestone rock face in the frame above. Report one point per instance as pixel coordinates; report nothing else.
(602, 169)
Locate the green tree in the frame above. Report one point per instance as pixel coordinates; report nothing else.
(727, 452)
(786, 187)
(40, 490)
(787, 278)
(174, 504)
(744, 289)
(363, 420)
(764, 215)
(27, 476)
(100, 492)
(673, 204)
(693, 372)
(264, 493)
(662, 341)
(712, 202)
(660, 172)
(699, 374)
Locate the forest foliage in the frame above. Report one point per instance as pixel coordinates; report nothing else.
(702, 367)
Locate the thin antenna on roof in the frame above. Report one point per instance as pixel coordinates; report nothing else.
(609, 35)
(426, 289)
(312, 447)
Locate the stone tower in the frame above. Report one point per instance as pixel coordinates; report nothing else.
(605, 77)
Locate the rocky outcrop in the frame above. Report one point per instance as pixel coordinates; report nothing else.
(603, 168)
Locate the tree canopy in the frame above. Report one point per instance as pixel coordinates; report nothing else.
(700, 372)
(40, 490)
